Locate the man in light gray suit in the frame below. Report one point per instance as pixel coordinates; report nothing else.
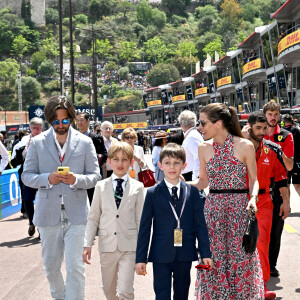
(62, 203)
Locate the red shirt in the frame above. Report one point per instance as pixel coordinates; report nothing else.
(284, 139)
(268, 166)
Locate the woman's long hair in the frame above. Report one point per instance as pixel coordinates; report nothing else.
(228, 115)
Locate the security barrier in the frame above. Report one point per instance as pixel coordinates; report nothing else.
(10, 194)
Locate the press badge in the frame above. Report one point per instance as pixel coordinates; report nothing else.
(178, 237)
(132, 173)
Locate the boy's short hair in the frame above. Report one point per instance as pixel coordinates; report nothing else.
(120, 146)
(172, 150)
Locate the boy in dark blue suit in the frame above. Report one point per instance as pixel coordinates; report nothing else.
(176, 211)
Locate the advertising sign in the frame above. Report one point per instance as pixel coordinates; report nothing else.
(10, 194)
(201, 91)
(252, 65)
(178, 98)
(289, 40)
(224, 81)
(38, 111)
(133, 125)
(154, 102)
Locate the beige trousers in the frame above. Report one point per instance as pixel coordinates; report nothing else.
(117, 270)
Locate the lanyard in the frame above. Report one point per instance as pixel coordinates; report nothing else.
(61, 159)
(182, 208)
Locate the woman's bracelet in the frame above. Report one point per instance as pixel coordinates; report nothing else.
(256, 198)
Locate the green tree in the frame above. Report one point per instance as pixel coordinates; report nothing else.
(213, 46)
(31, 90)
(162, 74)
(36, 59)
(111, 66)
(186, 49)
(123, 73)
(19, 46)
(127, 51)
(207, 10)
(144, 12)
(47, 68)
(156, 50)
(101, 8)
(231, 14)
(102, 48)
(178, 6)
(50, 47)
(185, 65)
(124, 7)
(204, 40)
(81, 18)
(52, 16)
(159, 18)
(8, 70)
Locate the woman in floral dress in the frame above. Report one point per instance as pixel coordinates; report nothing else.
(225, 157)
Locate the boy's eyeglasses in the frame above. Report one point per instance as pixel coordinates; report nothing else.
(131, 137)
(203, 123)
(64, 121)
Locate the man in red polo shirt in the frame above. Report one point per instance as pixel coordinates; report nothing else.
(281, 201)
(269, 164)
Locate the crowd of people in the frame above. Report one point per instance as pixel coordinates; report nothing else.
(208, 179)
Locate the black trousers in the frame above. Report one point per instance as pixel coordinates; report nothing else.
(277, 227)
(29, 196)
(188, 176)
(163, 273)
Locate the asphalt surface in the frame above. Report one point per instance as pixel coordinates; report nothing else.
(23, 278)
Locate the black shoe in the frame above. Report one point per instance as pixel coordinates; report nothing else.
(274, 272)
(31, 230)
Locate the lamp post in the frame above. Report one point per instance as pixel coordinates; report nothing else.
(60, 48)
(71, 51)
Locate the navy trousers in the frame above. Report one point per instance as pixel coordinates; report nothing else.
(162, 274)
(29, 196)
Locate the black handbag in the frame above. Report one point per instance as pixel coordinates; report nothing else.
(251, 234)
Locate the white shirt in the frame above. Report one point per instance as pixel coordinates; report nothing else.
(192, 139)
(61, 151)
(114, 182)
(169, 186)
(5, 157)
(107, 144)
(24, 142)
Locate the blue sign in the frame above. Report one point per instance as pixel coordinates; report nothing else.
(10, 193)
(38, 111)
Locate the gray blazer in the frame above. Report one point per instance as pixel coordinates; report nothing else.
(42, 159)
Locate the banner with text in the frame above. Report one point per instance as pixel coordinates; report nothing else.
(153, 102)
(224, 81)
(137, 125)
(252, 65)
(201, 91)
(289, 40)
(178, 98)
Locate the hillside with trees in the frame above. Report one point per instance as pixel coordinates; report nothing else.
(171, 35)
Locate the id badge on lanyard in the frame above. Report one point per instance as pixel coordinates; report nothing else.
(178, 232)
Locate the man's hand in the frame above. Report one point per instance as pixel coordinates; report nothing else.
(54, 178)
(208, 261)
(87, 255)
(284, 210)
(140, 269)
(245, 132)
(68, 178)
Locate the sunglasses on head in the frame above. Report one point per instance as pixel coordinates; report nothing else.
(129, 137)
(64, 121)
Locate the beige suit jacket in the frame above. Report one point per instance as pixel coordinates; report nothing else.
(118, 228)
(104, 169)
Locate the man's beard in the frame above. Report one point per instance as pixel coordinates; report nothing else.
(257, 138)
(61, 131)
(270, 125)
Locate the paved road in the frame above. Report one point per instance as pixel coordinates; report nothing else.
(23, 278)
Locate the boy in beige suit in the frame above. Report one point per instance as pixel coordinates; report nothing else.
(116, 210)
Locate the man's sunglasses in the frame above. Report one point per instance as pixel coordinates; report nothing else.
(64, 121)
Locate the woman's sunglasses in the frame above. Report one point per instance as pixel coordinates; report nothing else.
(64, 121)
(129, 137)
(203, 123)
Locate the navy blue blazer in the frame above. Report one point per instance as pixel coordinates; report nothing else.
(158, 210)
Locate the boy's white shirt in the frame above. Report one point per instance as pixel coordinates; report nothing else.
(170, 185)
